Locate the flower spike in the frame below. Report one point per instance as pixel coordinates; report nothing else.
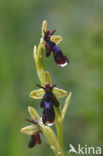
(52, 111)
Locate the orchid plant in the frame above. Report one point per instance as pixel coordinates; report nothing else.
(37, 125)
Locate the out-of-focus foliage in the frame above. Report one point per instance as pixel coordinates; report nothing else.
(80, 23)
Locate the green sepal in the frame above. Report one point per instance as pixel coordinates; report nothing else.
(30, 130)
(37, 94)
(33, 113)
(55, 38)
(59, 93)
(44, 27)
(47, 78)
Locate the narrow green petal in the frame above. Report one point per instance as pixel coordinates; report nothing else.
(30, 130)
(52, 139)
(33, 113)
(55, 38)
(67, 101)
(44, 27)
(47, 78)
(35, 53)
(37, 94)
(59, 93)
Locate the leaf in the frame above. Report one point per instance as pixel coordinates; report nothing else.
(52, 139)
(30, 130)
(37, 94)
(58, 113)
(67, 101)
(55, 38)
(59, 93)
(47, 78)
(33, 113)
(58, 124)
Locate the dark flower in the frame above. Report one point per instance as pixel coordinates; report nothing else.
(35, 138)
(51, 46)
(49, 100)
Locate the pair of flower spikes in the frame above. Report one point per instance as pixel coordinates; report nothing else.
(49, 100)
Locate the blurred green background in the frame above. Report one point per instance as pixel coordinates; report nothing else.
(80, 23)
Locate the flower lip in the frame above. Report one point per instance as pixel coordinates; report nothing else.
(47, 103)
(63, 64)
(63, 61)
(48, 115)
(59, 57)
(35, 139)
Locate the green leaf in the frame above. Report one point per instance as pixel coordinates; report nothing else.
(30, 130)
(59, 93)
(67, 101)
(33, 113)
(52, 139)
(58, 113)
(58, 123)
(47, 78)
(37, 94)
(55, 38)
